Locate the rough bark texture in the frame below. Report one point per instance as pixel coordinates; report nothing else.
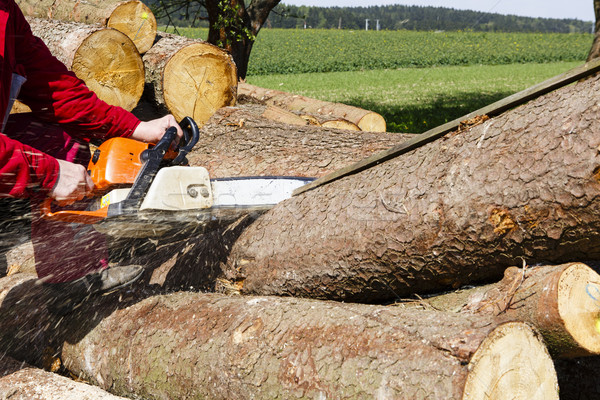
(524, 185)
(132, 18)
(560, 301)
(189, 77)
(366, 120)
(236, 141)
(595, 50)
(19, 381)
(105, 59)
(193, 345)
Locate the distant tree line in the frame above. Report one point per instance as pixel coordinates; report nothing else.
(394, 17)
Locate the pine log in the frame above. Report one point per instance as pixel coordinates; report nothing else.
(238, 141)
(188, 345)
(366, 120)
(190, 77)
(105, 59)
(19, 381)
(287, 117)
(561, 301)
(133, 18)
(523, 185)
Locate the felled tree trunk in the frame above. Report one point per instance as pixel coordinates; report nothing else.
(365, 120)
(561, 301)
(524, 185)
(21, 381)
(190, 77)
(237, 141)
(188, 345)
(133, 18)
(105, 59)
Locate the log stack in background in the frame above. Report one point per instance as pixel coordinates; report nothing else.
(327, 114)
(105, 59)
(133, 18)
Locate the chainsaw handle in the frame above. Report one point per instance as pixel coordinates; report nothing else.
(72, 216)
(191, 135)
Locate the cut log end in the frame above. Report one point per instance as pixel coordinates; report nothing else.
(199, 80)
(579, 305)
(340, 124)
(511, 363)
(110, 65)
(372, 122)
(137, 21)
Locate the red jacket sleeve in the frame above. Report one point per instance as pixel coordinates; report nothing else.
(24, 170)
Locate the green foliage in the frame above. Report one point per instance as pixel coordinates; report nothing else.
(232, 23)
(395, 17)
(417, 99)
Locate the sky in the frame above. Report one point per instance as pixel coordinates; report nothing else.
(578, 9)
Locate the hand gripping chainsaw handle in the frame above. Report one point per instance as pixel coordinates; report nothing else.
(151, 160)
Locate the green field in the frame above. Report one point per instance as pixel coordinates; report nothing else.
(417, 99)
(416, 80)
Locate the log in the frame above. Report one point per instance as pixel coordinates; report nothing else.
(561, 301)
(190, 77)
(458, 210)
(21, 381)
(366, 120)
(105, 59)
(238, 141)
(133, 18)
(188, 345)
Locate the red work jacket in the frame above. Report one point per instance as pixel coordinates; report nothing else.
(55, 95)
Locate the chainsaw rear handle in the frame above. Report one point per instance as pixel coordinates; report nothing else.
(191, 135)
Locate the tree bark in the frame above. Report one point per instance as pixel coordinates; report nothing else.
(199, 345)
(524, 185)
(366, 120)
(595, 50)
(237, 141)
(132, 18)
(561, 301)
(190, 77)
(105, 59)
(21, 381)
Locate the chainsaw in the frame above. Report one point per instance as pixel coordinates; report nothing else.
(145, 190)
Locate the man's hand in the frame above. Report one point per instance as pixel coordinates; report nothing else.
(73, 184)
(153, 131)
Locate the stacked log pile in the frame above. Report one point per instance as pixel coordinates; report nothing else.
(512, 203)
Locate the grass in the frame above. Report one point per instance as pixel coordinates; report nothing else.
(417, 99)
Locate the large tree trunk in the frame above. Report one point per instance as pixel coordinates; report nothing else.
(188, 345)
(192, 345)
(595, 50)
(560, 301)
(236, 141)
(132, 18)
(458, 210)
(105, 59)
(19, 381)
(366, 120)
(190, 77)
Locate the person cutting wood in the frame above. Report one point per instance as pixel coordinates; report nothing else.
(43, 154)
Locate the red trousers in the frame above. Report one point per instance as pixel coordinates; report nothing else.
(63, 251)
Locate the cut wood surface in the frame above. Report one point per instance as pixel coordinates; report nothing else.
(105, 59)
(238, 141)
(188, 345)
(561, 301)
(523, 185)
(366, 120)
(133, 18)
(19, 381)
(190, 77)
